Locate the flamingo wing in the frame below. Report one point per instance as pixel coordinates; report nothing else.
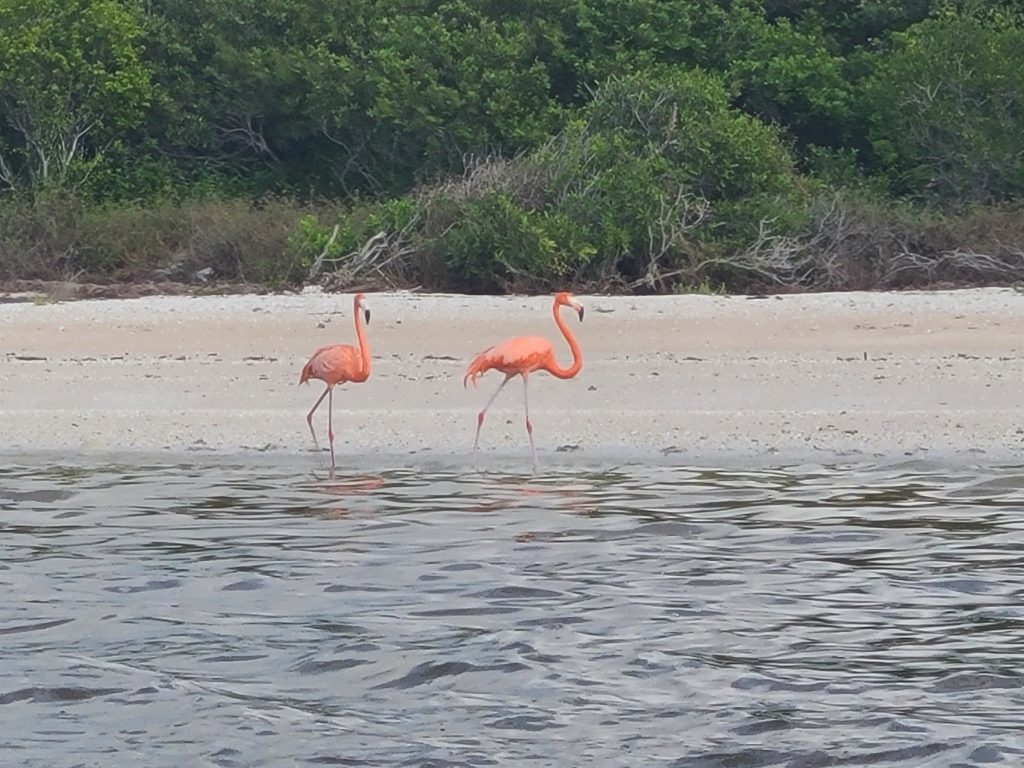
(516, 356)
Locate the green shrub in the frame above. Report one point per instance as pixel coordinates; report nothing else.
(684, 116)
(657, 169)
(497, 239)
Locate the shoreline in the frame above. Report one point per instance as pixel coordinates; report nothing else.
(696, 380)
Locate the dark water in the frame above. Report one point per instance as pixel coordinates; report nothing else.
(249, 615)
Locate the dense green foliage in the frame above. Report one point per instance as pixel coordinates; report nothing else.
(522, 144)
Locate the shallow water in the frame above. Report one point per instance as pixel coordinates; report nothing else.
(250, 615)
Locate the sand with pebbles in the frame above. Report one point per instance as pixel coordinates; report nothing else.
(696, 379)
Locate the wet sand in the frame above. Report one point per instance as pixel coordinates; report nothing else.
(695, 379)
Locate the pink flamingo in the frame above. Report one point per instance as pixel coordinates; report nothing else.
(337, 364)
(521, 356)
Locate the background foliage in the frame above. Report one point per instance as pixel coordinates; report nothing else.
(650, 145)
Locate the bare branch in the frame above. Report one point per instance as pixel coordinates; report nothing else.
(380, 261)
(776, 258)
(352, 163)
(314, 270)
(668, 233)
(7, 174)
(248, 134)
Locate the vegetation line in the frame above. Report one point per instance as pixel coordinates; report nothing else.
(718, 146)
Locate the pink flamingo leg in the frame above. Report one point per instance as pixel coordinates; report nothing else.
(330, 423)
(529, 425)
(480, 416)
(309, 417)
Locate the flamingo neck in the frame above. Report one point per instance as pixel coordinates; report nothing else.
(366, 362)
(574, 347)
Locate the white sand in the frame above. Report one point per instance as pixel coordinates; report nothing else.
(695, 378)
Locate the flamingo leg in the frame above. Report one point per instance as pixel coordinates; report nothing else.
(480, 416)
(309, 417)
(330, 422)
(529, 425)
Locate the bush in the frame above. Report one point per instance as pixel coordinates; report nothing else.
(683, 117)
(37, 237)
(497, 238)
(657, 170)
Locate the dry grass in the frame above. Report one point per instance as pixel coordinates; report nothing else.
(851, 243)
(191, 241)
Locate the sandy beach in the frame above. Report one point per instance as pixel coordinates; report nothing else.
(695, 379)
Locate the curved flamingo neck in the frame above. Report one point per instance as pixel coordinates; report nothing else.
(366, 362)
(574, 347)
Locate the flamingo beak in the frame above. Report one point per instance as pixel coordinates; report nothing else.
(366, 314)
(580, 311)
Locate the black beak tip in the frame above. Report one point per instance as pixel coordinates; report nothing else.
(581, 314)
(366, 314)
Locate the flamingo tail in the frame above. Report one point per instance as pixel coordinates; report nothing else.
(480, 365)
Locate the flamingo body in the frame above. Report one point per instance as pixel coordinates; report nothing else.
(333, 365)
(523, 355)
(514, 357)
(337, 364)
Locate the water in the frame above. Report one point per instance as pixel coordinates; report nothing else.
(251, 615)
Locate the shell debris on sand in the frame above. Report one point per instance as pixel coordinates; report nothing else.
(801, 376)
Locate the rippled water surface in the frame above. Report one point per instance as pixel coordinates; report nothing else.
(250, 615)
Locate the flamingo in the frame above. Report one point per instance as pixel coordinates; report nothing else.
(337, 364)
(521, 356)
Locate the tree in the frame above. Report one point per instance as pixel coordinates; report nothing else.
(946, 108)
(427, 90)
(349, 96)
(787, 75)
(71, 79)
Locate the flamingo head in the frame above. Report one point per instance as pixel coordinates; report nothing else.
(360, 302)
(566, 299)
